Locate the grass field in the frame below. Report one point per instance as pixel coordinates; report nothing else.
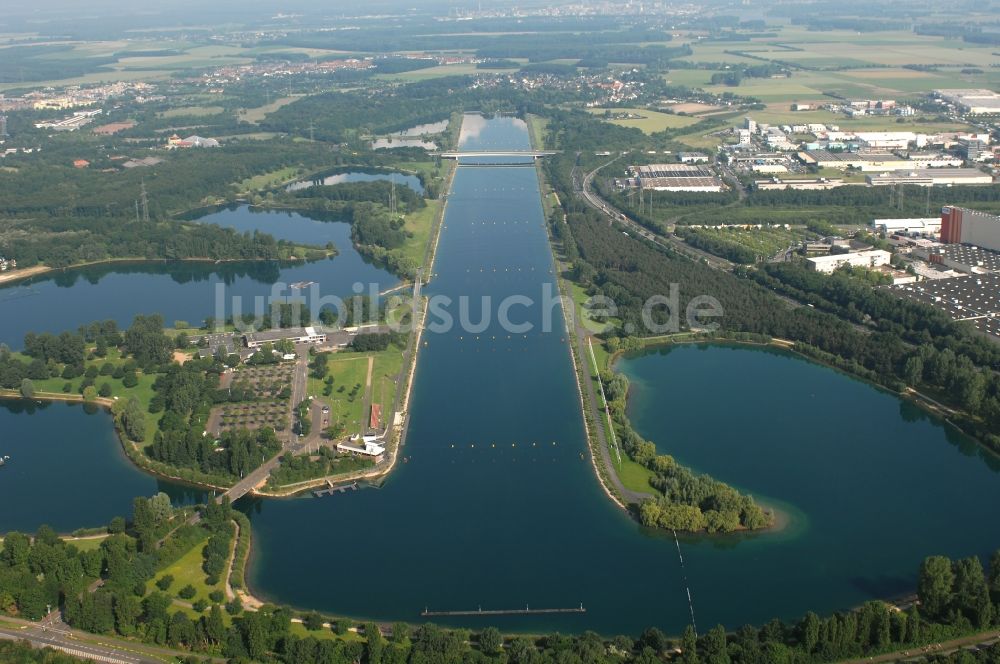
(349, 371)
(255, 115)
(420, 223)
(191, 111)
(187, 571)
(651, 121)
(271, 179)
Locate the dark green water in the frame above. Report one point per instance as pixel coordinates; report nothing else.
(185, 290)
(874, 485)
(67, 469)
(498, 505)
(372, 175)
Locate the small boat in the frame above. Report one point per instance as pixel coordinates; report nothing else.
(4, 460)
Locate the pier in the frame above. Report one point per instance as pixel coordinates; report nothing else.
(526, 611)
(331, 489)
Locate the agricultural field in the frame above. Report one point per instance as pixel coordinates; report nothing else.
(650, 121)
(845, 65)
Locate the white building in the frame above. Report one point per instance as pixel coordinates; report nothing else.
(693, 157)
(922, 226)
(975, 102)
(369, 447)
(930, 177)
(868, 259)
(297, 335)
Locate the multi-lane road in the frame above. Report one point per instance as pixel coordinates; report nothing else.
(51, 632)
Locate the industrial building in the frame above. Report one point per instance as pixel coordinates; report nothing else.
(297, 335)
(930, 177)
(864, 161)
(675, 177)
(964, 226)
(960, 258)
(813, 184)
(974, 298)
(868, 259)
(924, 226)
(975, 102)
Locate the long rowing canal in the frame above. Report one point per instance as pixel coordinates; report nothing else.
(498, 505)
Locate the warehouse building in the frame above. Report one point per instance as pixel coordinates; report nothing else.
(868, 259)
(864, 161)
(960, 258)
(964, 226)
(975, 298)
(975, 102)
(676, 177)
(931, 177)
(925, 226)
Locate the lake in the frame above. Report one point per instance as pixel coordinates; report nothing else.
(427, 129)
(187, 291)
(67, 469)
(497, 505)
(399, 177)
(392, 143)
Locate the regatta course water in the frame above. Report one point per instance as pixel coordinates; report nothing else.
(496, 504)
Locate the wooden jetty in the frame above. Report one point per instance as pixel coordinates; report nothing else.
(526, 611)
(331, 489)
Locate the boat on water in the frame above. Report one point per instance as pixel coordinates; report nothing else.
(4, 460)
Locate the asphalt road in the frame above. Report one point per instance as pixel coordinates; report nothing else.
(53, 633)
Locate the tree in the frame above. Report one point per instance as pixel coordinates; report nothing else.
(689, 646)
(215, 627)
(995, 576)
(935, 584)
(809, 631)
(971, 592)
(133, 420)
(27, 389)
(490, 641)
(313, 621)
(914, 370)
(16, 547)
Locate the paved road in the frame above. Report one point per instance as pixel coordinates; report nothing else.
(598, 416)
(670, 242)
(53, 633)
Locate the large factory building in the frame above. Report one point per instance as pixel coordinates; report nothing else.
(963, 226)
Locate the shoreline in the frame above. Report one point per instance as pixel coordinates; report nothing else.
(14, 276)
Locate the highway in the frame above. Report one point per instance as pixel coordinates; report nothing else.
(669, 242)
(51, 632)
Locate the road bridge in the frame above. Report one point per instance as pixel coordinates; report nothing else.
(533, 154)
